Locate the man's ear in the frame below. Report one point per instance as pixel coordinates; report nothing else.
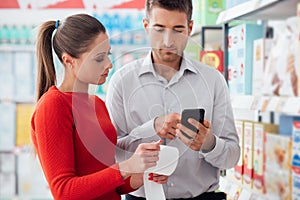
(67, 60)
(190, 26)
(146, 24)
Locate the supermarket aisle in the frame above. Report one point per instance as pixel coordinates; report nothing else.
(258, 54)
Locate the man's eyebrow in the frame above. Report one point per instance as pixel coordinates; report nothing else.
(177, 26)
(159, 25)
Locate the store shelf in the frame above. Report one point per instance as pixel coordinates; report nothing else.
(237, 191)
(16, 48)
(280, 104)
(259, 10)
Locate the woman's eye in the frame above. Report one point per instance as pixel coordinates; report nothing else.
(99, 59)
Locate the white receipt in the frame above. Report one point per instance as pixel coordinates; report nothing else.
(166, 165)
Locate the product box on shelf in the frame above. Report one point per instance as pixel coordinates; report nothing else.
(298, 49)
(295, 186)
(278, 152)
(259, 157)
(23, 117)
(232, 3)
(230, 175)
(282, 67)
(261, 49)
(240, 57)
(31, 183)
(24, 74)
(286, 124)
(213, 58)
(296, 160)
(248, 154)
(7, 126)
(8, 185)
(209, 11)
(278, 185)
(238, 169)
(6, 76)
(296, 146)
(278, 166)
(7, 162)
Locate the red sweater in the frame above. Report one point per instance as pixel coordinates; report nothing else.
(75, 142)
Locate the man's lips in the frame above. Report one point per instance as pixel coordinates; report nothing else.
(168, 49)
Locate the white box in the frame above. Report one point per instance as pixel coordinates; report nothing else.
(7, 126)
(24, 75)
(8, 185)
(295, 186)
(7, 163)
(7, 85)
(31, 180)
(261, 49)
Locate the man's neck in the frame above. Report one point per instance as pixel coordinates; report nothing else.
(167, 70)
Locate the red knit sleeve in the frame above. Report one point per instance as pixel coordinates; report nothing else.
(126, 188)
(52, 126)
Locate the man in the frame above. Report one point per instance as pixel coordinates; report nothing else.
(145, 99)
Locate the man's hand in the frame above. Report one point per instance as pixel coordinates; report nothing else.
(203, 140)
(165, 126)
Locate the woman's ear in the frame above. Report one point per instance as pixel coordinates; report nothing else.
(67, 60)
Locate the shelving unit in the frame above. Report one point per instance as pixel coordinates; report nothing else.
(254, 10)
(249, 107)
(259, 10)
(284, 105)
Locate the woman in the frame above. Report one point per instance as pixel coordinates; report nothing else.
(71, 129)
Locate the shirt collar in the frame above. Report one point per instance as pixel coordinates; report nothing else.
(147, 65)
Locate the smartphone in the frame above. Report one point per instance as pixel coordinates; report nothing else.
(197, 114)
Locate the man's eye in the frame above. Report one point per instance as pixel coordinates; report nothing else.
(177, 31)
(158, 29)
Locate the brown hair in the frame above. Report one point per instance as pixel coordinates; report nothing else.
(73, 36)
(185, 6)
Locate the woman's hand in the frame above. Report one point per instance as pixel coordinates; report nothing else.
(145, 156)
(137, 180)
(161, 179)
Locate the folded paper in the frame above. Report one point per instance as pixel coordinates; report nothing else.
(166, 165)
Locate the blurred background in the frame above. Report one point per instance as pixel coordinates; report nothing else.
(255, 44)
(20, 173)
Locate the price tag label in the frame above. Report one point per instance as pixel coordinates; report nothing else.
(245, 195)
(273, 103)
(233, 190)
(292, 106)
(264, 103)
(256, 103)
(281, 103)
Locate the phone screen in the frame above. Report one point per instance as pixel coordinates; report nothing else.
(197, 114)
